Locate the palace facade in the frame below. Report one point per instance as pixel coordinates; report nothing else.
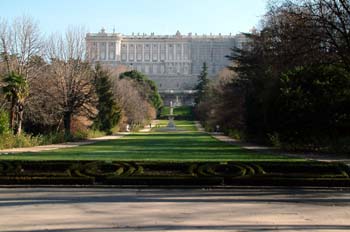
(172, 61)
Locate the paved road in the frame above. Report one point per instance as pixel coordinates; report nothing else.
(238, 209)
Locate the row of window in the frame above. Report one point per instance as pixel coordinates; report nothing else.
(140, 52)
(162, 69)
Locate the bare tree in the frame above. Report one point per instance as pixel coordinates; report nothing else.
(42, 112)
(20, 41)
(136, 110)
(333, 17)
(71, 84)
(313, 25)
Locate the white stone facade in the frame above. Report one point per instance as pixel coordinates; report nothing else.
(172, 61)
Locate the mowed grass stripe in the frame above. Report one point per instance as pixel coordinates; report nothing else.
(155, 146)
(180, 125)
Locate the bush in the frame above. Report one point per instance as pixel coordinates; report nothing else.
(174, 173)
(4, 122)
(52, 138)
(341, 145)
(22, 140)
(236, 134)
(313, 106)
(85, 134)
(9, 140)
(274, 139)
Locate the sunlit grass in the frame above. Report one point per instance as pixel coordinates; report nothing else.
(188, 145)
(180, 125)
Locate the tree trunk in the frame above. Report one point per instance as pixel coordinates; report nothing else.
(67, 121)
(20, 119)
(12, 115)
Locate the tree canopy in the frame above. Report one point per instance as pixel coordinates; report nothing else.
(146, 86)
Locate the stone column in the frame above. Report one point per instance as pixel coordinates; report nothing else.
(107, 50)
(182, 52)
(135, 58)
(127, 52)
(166, 51)
(158, 52)
(98, 51)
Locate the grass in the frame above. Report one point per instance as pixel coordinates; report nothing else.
(189, 145)
(180, 112)
(184, 157)
(180, 125)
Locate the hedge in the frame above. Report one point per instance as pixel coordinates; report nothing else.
(174, 173)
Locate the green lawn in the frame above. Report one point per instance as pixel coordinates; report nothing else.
(180, 112)
(185, 157)
(180, 125)
(155, 146)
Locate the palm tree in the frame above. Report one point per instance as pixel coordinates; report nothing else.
(16, 90)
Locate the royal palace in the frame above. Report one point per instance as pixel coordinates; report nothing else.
(172, 61)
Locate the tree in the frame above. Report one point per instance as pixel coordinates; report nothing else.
(146, 87)
(332, 18)
(108, 114)
(223, 105)
(71, 83)
(16, 91)
(19, 43)
(136, 110)
(202, 84)
(43, 114)
(314, 105)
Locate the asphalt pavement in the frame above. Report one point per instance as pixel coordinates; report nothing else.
(118, 209)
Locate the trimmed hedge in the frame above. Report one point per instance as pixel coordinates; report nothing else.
(174, 173)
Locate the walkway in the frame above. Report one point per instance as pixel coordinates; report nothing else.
(238, 209)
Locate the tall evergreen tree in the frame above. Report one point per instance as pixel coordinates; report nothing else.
(202, 85)
(108, 111)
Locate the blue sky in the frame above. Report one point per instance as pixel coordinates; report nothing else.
(143, 16)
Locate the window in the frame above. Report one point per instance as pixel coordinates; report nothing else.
(147, 52)
(178, 51)
(139, 52)
(103, 51)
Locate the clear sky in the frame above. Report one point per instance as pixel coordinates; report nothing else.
(140, 16)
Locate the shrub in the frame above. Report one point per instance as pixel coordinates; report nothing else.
(85, 134)
(52, 138)
(4, 122)
(274, 139)
(236, 134)
(313, 106)
(22, 140)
